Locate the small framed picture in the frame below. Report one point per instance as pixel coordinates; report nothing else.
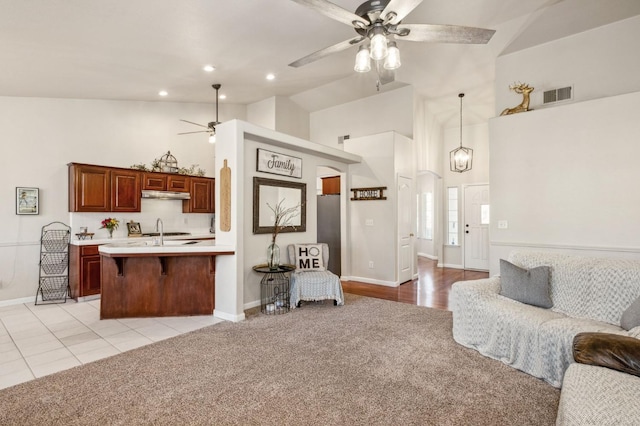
(27, 200)
(134, 229)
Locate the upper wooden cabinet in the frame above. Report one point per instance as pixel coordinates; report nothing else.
(202, 196)
(103, 189)
(125, 190)
(165, 182)
(331, 185)
(110, 189)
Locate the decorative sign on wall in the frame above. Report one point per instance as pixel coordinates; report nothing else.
(363, 194)
(279, 164)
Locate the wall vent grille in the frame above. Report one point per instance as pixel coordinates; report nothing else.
(557, 95)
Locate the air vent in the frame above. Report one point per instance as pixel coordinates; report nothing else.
(557, 95)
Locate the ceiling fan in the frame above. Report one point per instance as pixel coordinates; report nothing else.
(211, 126)
(378, 22)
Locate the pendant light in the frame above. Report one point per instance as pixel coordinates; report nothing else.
(461, 159)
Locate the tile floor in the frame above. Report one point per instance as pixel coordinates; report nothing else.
(39, 340)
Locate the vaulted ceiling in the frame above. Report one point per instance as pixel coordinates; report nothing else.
(131, 49)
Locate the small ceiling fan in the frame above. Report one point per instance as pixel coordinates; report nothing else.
(211, 126)
(378, 23)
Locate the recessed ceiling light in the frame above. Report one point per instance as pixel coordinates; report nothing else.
(209, 68)
(163, 93)
(223, 96)
(271, 76)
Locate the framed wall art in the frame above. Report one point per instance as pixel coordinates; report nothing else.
(278, 164)
(27, 200)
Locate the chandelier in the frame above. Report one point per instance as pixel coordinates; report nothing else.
(461, 159)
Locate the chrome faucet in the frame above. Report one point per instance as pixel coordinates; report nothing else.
(160, 229)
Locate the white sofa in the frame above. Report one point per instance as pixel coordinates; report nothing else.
(588, 295)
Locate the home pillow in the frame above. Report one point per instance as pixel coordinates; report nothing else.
(608, 350)
(309, 257)
(526, 286)
(631, 316)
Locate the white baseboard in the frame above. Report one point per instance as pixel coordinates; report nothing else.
(449, 265)
(19, 301)
(371, 281)
(251, 304)
(228, 317)
(428, 256)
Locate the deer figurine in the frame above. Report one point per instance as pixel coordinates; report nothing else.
(524, 90)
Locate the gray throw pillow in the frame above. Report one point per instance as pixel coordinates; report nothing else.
(526, 286)
(631, 316)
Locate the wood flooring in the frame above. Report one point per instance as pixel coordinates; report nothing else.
(431, 289)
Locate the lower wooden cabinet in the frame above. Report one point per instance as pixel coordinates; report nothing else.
(84, 271)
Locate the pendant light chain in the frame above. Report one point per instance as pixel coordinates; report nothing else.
(461, 95)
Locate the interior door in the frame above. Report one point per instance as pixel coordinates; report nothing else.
(476, 227)
(406, 208)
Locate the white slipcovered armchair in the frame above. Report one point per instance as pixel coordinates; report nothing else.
(311, 281)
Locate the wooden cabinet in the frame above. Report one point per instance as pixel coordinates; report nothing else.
(331, 185)
(202, 196)
(89, 188)
(103, 189)
(178, 183)
(84, 271)
(165, 182)
(125, 190)
(154, 181)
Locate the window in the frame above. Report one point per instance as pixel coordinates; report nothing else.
(452, 216)
(425, 216)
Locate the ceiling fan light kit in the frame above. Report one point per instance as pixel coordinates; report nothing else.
(378, 23)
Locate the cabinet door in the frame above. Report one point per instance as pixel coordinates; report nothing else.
(90, 275)
(89, 188)
(331, 185)
(154, 181)
(202, 196)
(178, 183)
(125, 190)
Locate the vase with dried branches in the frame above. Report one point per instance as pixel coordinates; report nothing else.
(282, 220)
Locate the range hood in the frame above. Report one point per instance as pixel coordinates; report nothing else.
(166, 195)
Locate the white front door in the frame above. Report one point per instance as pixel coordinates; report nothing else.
(406, 209)
(476, 227)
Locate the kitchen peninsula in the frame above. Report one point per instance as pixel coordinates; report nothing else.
(140, 279)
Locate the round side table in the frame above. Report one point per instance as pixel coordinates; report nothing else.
(274, 289)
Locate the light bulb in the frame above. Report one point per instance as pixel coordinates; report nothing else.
(212, 138)
(392, 61)
(378, 45)
(461, 157)
(363, 61)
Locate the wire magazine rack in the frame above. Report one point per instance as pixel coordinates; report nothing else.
(53, 280)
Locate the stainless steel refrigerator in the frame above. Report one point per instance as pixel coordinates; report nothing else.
(329, 228)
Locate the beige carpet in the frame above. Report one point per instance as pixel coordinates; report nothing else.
(368, 362)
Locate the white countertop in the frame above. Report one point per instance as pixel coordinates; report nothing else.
(146, 246)
(97, 241)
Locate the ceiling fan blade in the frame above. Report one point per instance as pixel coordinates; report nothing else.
(199, 131)
(400, 8)
(191, 122)
(343, 45)
(334, 11)
(446, 33)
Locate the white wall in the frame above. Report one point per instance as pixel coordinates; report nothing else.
(384, 156)
(598, 63)
(564, 176)
(426, 182)
(291, 118)
(389, 111)
(42, 135)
